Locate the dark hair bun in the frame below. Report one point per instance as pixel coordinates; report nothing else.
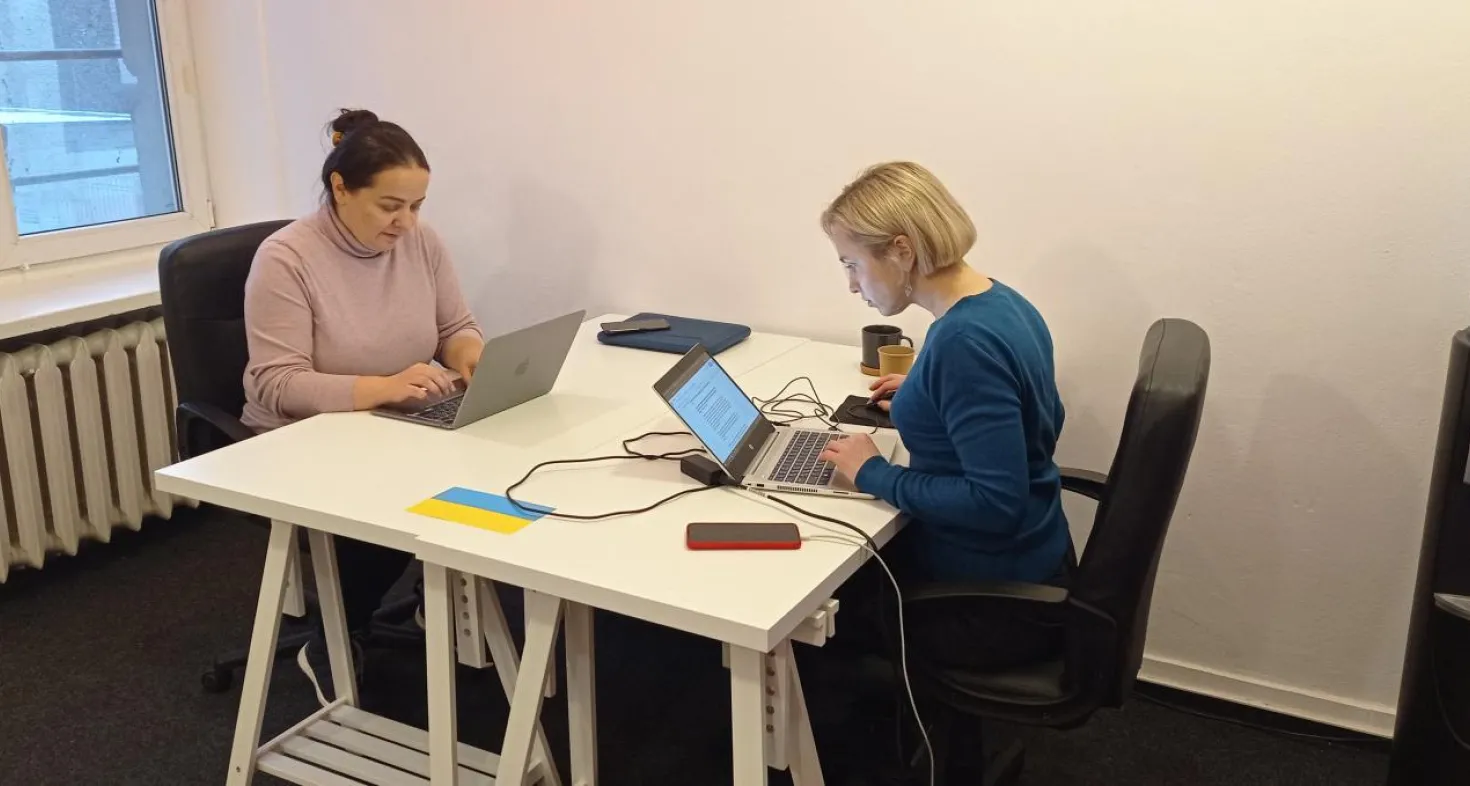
(352, 119)
(363, 146)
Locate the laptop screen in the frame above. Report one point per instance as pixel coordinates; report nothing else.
(715, 409)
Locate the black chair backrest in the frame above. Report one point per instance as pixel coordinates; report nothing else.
(1117, 570)
(201, 281)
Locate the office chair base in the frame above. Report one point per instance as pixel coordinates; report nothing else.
(217, 680)
(1001, 769)
(220, 676)
(1005, 769)
(389, 632)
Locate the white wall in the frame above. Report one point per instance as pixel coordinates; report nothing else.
(1291, 175)
(238, 111)
(274, 73)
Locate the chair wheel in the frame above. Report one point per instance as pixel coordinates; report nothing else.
(217, 680)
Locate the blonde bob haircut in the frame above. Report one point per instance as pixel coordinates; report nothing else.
(903, 198)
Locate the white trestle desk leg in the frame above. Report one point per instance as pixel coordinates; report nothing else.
(777, 692)
(334, 616)
(469, 638)
(439, 633)
(543, 615)
(801, 746)
(550, 691)
(747, 715)
(507, 665)
(262, 653)
(295, 605)
(581, 693)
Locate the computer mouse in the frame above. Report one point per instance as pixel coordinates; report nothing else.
(868, 411)
(887, 396)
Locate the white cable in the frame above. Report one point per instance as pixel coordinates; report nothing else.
(848, 538)
(311, 675)
(903, 650)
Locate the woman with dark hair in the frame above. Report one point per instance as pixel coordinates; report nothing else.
(347, 308)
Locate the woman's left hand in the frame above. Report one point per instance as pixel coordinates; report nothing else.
(849, 453)
(462, 354)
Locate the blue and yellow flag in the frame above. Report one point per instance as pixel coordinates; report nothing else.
(478, 509)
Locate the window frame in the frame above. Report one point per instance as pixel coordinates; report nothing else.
(196, 207)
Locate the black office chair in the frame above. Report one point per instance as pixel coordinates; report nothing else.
(1103, 617)
(202, 287)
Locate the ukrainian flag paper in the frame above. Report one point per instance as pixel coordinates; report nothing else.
(478, 509)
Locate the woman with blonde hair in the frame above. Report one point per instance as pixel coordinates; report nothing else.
(979, 411)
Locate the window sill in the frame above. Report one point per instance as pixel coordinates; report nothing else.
(65, 293)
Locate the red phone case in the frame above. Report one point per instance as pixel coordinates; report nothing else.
(750, 545)
(739, 545)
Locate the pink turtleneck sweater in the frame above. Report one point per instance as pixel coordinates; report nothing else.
(322, 309)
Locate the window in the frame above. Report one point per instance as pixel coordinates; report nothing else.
(102, 149)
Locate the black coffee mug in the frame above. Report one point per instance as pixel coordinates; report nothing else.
(875, 336)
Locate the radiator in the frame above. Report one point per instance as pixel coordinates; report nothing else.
(85, 420)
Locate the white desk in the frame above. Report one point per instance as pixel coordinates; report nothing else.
(756, 602)
(354, 475)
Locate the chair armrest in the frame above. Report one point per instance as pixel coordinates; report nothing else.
(929, 610)
(1041, 602)
(1003, 596)
(227, 425)
(1085, 482)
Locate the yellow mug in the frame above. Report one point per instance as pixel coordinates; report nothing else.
(895, 359)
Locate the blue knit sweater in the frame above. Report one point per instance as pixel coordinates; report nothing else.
(980, 414)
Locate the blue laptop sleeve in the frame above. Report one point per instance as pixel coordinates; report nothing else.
(682, 335)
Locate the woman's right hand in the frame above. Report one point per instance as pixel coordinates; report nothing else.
(884, 389)
(415, 383)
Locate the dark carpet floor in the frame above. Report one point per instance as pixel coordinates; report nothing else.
(100, 658)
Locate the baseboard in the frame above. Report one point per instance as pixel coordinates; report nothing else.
(1308, 705)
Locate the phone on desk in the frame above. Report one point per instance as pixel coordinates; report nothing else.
(731, 535)
(636, 326)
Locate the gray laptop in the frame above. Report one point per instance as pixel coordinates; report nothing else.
(750, 448)
(514, 368)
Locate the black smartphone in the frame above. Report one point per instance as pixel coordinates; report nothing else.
(742, 535)
(636, 326)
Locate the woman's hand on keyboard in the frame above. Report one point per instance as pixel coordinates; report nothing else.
(415, 383)
(848, 454)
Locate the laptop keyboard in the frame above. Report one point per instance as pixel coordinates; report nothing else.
(442, 413)
(799, 464)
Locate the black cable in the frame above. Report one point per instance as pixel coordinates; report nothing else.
(628, 454)
(855, 418)
(803, 511)
(773, 406)
(1344, 739)
(776, 409)
(670, 456)
(868, 539)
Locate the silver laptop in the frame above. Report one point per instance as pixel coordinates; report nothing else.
(750, 448)
(514, 368)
